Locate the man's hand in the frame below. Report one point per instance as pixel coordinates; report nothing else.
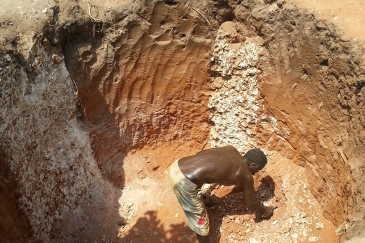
(268, 211)
(210, 201)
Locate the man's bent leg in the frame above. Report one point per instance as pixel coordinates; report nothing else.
(202, 239)
(191, 201)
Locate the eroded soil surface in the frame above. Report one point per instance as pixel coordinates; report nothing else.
(129, 187)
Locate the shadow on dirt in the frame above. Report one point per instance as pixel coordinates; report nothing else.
(95, 215)
(151, 229)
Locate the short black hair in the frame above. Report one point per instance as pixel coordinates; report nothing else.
(256, 156)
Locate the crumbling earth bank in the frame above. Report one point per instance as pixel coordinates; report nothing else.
(98, 97)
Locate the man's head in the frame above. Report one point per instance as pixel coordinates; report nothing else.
(255, 159)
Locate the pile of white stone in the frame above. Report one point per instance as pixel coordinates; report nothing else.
(233, 102)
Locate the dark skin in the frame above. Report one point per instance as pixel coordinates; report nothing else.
(202, 168)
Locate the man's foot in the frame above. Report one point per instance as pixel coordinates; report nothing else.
(210, 201)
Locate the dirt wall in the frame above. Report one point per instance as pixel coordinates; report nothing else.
(310, 80)
(315, 94)
(47, 150)
(143, 82)
(85, 83)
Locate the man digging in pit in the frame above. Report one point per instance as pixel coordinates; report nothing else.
(223, 165)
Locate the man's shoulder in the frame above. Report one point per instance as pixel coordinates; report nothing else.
(227, 151)
(220, 149)
(243, 175)
(228, 147)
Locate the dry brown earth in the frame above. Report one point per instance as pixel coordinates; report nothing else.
(97, 98)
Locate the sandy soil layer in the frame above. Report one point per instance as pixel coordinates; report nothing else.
(348, 16)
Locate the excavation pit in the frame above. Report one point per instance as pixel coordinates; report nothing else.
(99, 98)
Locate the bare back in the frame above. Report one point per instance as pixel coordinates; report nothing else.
(223, 165)
(217, 165)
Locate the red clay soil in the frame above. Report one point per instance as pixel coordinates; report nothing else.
(143, 80)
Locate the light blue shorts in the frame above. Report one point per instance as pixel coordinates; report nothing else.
(188, 195)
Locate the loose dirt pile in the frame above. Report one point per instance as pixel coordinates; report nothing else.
(99, 97)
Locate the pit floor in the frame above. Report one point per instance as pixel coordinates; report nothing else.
(153, 214)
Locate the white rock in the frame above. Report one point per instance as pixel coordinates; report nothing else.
(251, 240)
(319, 225)
(313, 238)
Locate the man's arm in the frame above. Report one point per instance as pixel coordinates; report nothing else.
(251, 203)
